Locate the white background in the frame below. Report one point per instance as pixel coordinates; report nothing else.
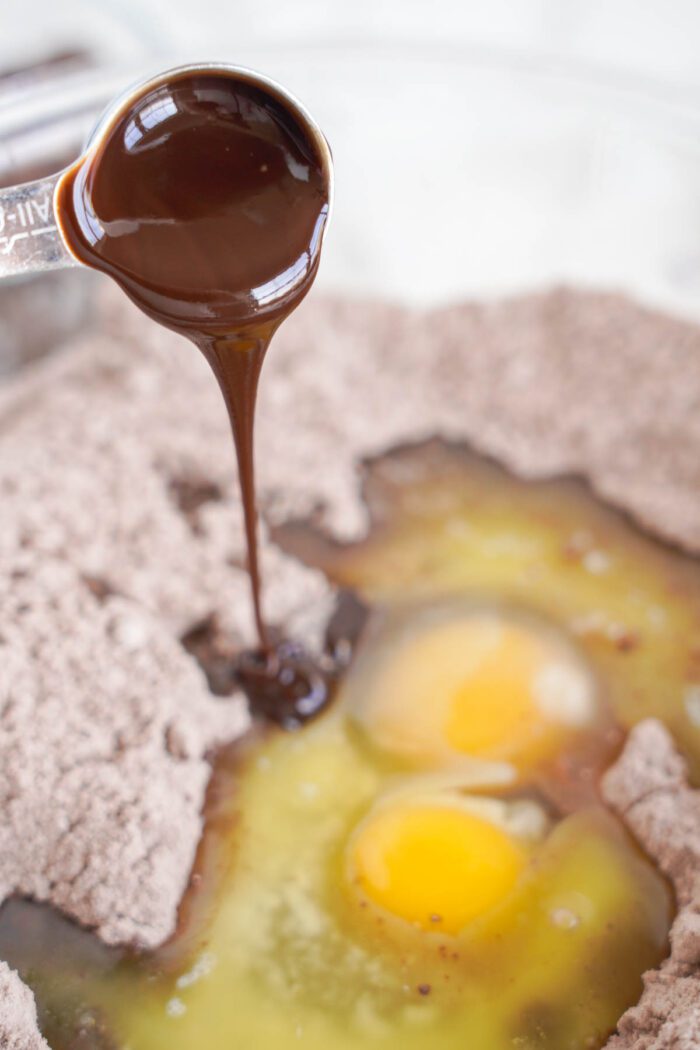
(544, 182)
(658, 39)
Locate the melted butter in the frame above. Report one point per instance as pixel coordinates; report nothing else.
(278, 955)
(446, 522)
(276, 950)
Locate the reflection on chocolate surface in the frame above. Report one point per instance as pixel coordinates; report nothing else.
(206, 200)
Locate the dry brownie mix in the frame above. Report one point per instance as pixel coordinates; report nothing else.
(118, 538)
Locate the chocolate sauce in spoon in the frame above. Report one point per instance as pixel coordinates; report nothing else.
(205, 198)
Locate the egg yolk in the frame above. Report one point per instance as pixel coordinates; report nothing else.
(435, 865)
(477, 684)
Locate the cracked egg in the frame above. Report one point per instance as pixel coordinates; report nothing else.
(449, 681)
(429, 862)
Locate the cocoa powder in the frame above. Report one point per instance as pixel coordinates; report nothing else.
(107, 719)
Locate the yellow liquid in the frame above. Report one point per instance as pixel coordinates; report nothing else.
(288, 957)
(447, 522)
(275, 948)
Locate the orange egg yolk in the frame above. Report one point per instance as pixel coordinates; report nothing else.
(477, 684)
(435, 865)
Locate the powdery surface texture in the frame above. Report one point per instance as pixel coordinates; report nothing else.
(121, 530)
(18, 1028)
(648, 789)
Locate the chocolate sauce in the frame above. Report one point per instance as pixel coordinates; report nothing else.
(287, 686)
(206, 198)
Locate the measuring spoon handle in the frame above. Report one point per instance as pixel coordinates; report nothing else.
(30, 240)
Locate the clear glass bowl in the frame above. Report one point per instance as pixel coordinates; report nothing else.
(458, 175)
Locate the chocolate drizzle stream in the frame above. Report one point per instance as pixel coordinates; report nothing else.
(206, 200)
(238, 369)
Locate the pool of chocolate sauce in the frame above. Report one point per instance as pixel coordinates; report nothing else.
(206, 198)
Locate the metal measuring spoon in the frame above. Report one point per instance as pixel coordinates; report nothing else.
(31, 236)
